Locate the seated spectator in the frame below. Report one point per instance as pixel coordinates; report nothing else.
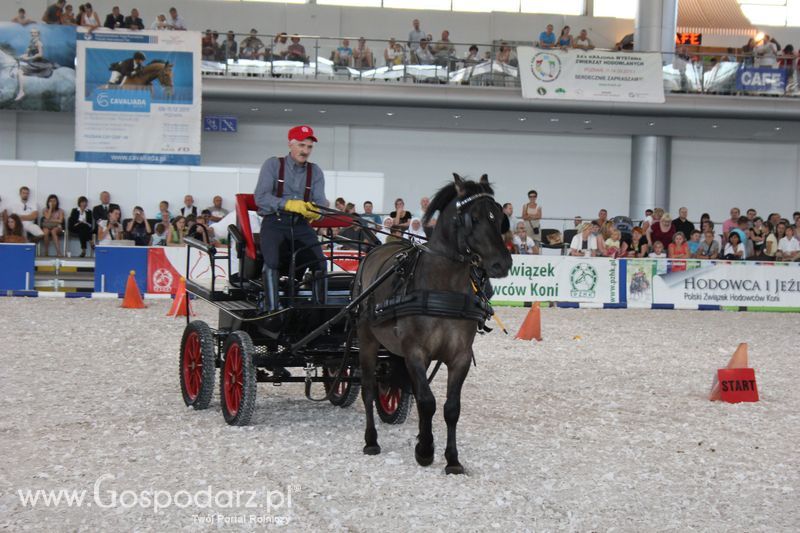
(100, 212)
(208, 47)
(188, 206)
(369, 215)
(343, 55)
(22, 18)
(788, 246)
(709, 248)
(734, 249)
(160, 23)
(111, 229)
(662, 231)
(217, 211)
(730, 223)
(230, 49)
(52, 15)
(678, 248)
(114, 20)
(340, 204)
(362, 55)
(385, 230)
(163, 209)
(68, 16)
(626, 43)
(647, 220)
(523, 244)
(705, 217)
(423, 54)
(658, 250)
(508, 240)
(614, 245)
(583, 42)
(138, 228)
(639, 246)
(444, 49)
(175, 21)
(503, 55)
(742, 230)
(424, 203)
(565, 39)
(472, 57)
(89, 18)
(252, 47)
(758, 235)
(547, 39)
(394, 54)
(296, 51)
(132, 21)
(770, 249)
(279, 48)
(28, 213)
(395, 234)
(13, 232)
(350, 208)
(178, 232)
(694, 243)
(80, 223)
(160, 235)
(400, 216)
(584, 243)
(199, 229)
(415, 231)
(52, 224)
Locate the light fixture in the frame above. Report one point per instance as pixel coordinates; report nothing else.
(389, 114)
(323, 111)
(715, 126)
(554, 119)
(587, 121)
(651, 123)
(287, 109)
(253, 109)
(778, 128)
(456, 117)
(522, 119)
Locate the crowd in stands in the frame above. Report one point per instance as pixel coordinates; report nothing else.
(63, 13)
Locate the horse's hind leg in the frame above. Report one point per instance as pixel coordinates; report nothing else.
(426, 407)
(456, 374)
(368, 355)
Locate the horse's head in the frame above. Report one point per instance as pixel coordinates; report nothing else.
(165, 79)
(470, 224)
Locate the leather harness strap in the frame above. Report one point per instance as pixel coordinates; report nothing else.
(282, 179)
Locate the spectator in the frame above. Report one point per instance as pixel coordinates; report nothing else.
(743, 229)
(766, 53)
(532, 216)
(28, 212)
(508, 210)
(230, 49)
(279, 49)
(89, 19)
(362, 55)
(252, 47)
(730, 223)
(22, 18)
(584, 243)
(788, 246)
(110, 229)
(565, 39)
(385, 230)
(472, 57)
(626, 43)
(163, 208)
(160, 23)
(199, 229)
(52, 224)
(340, 204)
(709, 248)
(296, 51)
(178, 232)
(577, 221)
(705, 217)
(114, 20)
(68, 16)
(188, 206)
(343, 54)
(583, 42)
(503, 54)
(216, 211)
(369, 215)
(547, 39)
(100, 212)
(138, 228)
(444, 49)
(614, 245)
(602, 217)
(770, 249)
(523, 244)
(758, 235)
(658, 250)
(350, 208)
(678, 248)
(160, 235)
(52, 15)
(751, 216)
(796, 218)
(639, 246)
(647, 220)
(415, 36)
(175, 21)
(132, 21)
(734, 249)
(694, 243)
(80, 223)
(415, 231)
(423, 53)
(394, 54)
(682, 224)
(780, 230)
(13, 232)
(424, 203)
(400, 217)
(508, 240)
(662, 231)
(209, 46)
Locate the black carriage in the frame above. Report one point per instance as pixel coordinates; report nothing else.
(317, 335)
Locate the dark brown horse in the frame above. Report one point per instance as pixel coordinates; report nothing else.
(467, 235)
(155, 70)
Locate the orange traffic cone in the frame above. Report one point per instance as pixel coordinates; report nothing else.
(532, 325)
(181, 301)
(738, 360)
(133, 298)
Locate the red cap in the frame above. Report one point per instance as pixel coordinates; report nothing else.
(301, 133)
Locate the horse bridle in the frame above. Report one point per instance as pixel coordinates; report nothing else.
(463, 222)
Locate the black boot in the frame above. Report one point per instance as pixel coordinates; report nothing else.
(271, 301)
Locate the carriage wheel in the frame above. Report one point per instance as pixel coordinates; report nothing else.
(197, 365)
(346, 392)
(393, 403)
(237, 383)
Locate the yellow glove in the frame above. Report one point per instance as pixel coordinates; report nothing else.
(311, 212)
(296, 206)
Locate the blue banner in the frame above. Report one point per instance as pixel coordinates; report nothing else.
(18, 270)
(137, 158)
(761, 79)
(113, 264)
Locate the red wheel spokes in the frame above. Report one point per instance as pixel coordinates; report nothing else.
(233, 379)
(192, 365)
(389, 398)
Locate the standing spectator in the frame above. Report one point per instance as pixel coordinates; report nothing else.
(188, 206)
(80, 223)
(734, 249)
(89, 19)
(362, 55)
(443, 50)
(508, 210)
(523, 244)
(400, 217)
(547, 39)
(160, 23)
(602, 217)
(639, 246)
(532, 216)
(770, 249)
(788, 246)
(138, 228)
(68, 16)
(163, 209)
(678, 248)
(709, 248)
(230, 49)
(28, 212)
(647, 220)
(22, 18)
(705, 217)
(565, 39)
(100, 212)
(584, 243)
(252, 47)
(110, 229)
(682, 223)
(583, 42)
(52, 15)
(209, 46)
(577, 221)
(751, 216)
(730, 223)
(217, 212)
(662, 231)
(175, 21)
(369, 215)
(343, 54)
(742, 230)
(114, 20)
(13, 232)
(423, 53)
(415, 36)
(766, 53)
(132, 21)
(52, 224)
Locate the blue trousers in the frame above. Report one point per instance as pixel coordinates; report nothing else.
(280, 232)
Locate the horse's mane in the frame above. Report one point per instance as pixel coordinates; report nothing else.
(448, 193)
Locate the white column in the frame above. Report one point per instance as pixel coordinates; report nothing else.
(650, 173)
(656, 21)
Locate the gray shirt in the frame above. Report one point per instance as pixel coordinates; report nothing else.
(294, 187)
(414, 37)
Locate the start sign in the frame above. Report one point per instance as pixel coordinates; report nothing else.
(737, 385)
(762, 79)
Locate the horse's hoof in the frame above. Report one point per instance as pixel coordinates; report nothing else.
(453, 469)
(423, 460)
(372, 450)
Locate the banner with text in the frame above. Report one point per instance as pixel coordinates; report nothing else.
(559, 279)
(138, 97)
(590, 75)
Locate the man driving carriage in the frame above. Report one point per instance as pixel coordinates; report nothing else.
(288, 192)
(126, 69)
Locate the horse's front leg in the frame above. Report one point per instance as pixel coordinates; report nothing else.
(417, 365)
(368, 354)
(456, 374)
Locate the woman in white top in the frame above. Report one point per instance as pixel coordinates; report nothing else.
(734, 250)
(160, 23)
(788, 246)
(111, 229)
(585, 242)
(532, 215)
(583, 42)
(89, 18)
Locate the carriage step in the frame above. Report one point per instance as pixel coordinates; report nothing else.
(236, 305)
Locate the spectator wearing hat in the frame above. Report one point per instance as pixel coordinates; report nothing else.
(133, 21)
(252, 47)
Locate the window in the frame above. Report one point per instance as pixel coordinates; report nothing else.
(486, 6)
(621, 9)
(442, 5)
(564, 7)
(353, 3)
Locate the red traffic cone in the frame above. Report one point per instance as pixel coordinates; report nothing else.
(738, 360)
(532, 325)
(181, 302)
(133, 298)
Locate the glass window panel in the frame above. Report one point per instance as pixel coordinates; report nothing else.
(621, 9)
(766, 15)
(442, 5)
(564, 7)
(355, 3)
(486, 6)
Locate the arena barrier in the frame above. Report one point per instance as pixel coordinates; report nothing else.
(18, 270)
